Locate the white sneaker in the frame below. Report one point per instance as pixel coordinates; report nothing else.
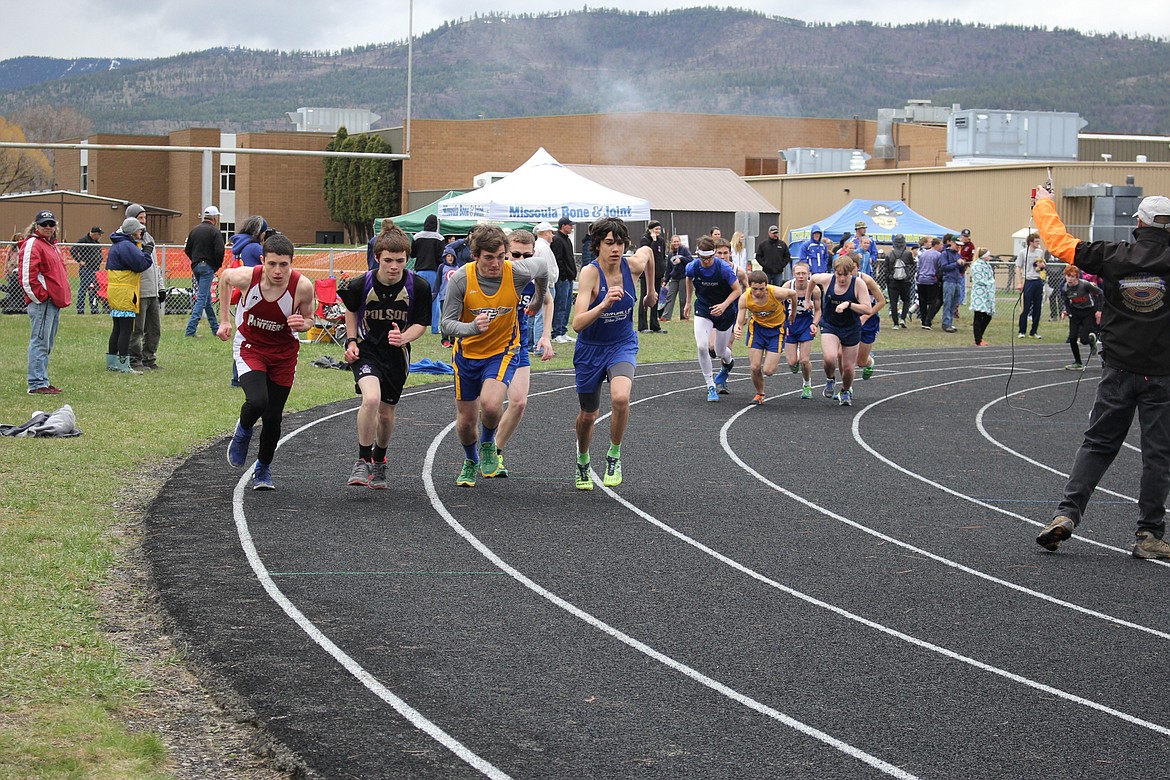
(569, 339)
(560, 340)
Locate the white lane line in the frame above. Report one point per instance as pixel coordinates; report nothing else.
(987, 435)
(629, 641)
(950, 491)
(914, 641)
(416, 718)
(725, 441)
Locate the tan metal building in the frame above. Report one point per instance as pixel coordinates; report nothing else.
(993, 201)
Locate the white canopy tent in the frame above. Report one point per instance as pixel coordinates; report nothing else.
(543, 189)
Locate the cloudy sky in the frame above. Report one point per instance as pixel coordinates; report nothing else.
(102, 28)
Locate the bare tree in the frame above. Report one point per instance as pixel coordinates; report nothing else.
(21, 169)
(47, 124)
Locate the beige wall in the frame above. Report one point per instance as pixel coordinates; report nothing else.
(992, 201)
(447, 154)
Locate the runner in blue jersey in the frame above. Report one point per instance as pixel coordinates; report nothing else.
(803, 326)
(521, 246)
(870, 324)
(607, 345)
(716, 290)
(845, 300)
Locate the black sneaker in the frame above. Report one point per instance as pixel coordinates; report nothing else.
(360, 475)
(378, 475)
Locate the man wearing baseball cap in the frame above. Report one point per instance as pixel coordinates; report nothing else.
(87, 253)
(205, 245)
(1135, 367)
(46, 290)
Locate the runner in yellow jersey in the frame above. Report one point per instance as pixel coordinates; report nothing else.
(480, 313)
(763, 309)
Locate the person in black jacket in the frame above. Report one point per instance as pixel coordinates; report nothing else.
(1135, 367)
(900, 272)
(773, 257)
(427, 251)
(88, 254)
(653, 239)
(562, 247)
(204, 247)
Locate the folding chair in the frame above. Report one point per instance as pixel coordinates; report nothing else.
(329, 319)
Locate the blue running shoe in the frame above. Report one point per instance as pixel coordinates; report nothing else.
(237, 452)
(721, 388)
(829, 388)
(712, 394)
(262, 477)
(724, 372)
(846, 398)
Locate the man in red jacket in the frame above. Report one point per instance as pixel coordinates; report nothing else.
(46, 288)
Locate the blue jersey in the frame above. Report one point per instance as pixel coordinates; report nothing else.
(522, 315)
(712, 286)
(615, 325)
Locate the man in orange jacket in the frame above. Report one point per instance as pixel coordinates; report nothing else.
(1135, 367)
(46, 288)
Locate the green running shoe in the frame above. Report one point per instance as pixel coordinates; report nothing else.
(489, 460)
(806, 391)
(584, 479)
(867, 372)
(613, 472)
(468, 474)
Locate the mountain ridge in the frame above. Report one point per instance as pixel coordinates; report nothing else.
(498, 65)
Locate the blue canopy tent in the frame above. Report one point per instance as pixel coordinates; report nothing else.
(883, 218)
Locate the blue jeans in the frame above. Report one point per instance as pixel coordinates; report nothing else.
(430, 277)
(1033, 304)
(203, 275)
(562, 295)
(950, 303)
(43, 320)
(1119, 395)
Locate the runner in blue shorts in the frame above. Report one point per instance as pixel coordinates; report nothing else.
(767, 307)
(480, 312)
(802, 327)
(841, 310)
(521, 246)
(871, 325)
(607, 345)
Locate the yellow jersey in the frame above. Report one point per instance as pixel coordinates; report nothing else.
(769, 314)
(503, 333)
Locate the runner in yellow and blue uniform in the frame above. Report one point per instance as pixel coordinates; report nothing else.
(480, 312)
(763, 308)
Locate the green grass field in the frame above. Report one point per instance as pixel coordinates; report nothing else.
(66, 689)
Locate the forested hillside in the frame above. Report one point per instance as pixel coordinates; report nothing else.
(698, 60)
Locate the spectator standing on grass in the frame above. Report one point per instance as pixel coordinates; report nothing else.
(14, 296)
(929, 283)
(814, 252)
(87, 253)
(124, 266)
(982, 295)
(1135, 368)
(204, 248)
(675, 275)
(900, 270)
(774, 258)
(427, 251)
(1030, 264)
(562, 247)
(653, 239)
(950, 266)
(46, 290)
(147, 332)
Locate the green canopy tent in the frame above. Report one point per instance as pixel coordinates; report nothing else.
(412, 222)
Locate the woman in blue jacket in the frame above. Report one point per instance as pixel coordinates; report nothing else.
(124, 266)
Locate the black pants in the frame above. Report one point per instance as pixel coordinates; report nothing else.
(899, 290)
(120, 336)
(263, 400)
(928, 302)
(982, 320)
(642, 309)
(1080, 325)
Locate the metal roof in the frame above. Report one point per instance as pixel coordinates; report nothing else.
(40, 195)
(680, 189)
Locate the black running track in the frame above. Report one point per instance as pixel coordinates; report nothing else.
(796, 590)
